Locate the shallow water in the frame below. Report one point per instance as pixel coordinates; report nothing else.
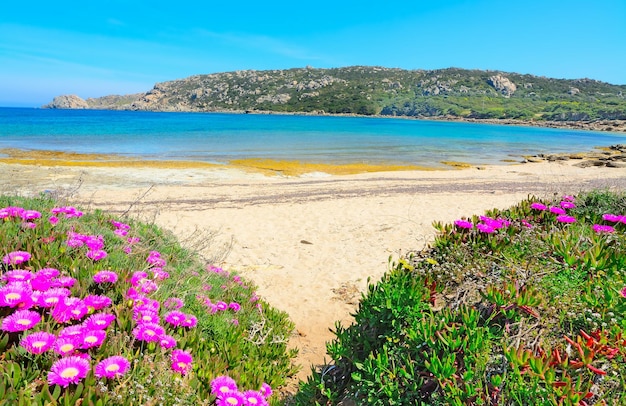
(221, 138)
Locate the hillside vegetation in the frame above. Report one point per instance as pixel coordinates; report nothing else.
(362, 90)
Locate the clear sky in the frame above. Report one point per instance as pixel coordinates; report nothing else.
(97, 48)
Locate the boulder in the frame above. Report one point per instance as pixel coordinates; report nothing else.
(503, 85)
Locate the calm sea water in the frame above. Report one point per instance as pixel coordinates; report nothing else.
(219, 138)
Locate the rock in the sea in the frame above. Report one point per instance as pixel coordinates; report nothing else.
(68, 101)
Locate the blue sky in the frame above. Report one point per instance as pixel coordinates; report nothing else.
(97, 48)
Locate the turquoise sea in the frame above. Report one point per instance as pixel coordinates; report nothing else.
(220, 137)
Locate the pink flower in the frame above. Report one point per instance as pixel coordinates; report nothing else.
(97, 302)
(74, 332)
(146, 316)
(16, 295)
(221, 306)
(67, 371)
(21, 320)
(567, 204)
(105, 276)
(138, 278)
(65, 346)
(181, 361)
(18, 275)
(190, 321)
(175, 318)
(51, 297)
(599, 229)
(232, 398)
(53, 220)
(99, 321)
(266, 390)
(623, 292)
(538, 206)
(556, 210)
(614, 218)
(223, 384)
(565, 219)
(167, 341)
(93, 338)
(112, 367)
(38, 343)
(16, 258)
(254, 398)
(30, 215)
(235, 306)
(485, 228)
(11, 211)
(96, 255)
(63, 282)
(149, 332)
(463, 224)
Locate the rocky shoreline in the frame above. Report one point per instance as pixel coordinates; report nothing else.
(611, 157)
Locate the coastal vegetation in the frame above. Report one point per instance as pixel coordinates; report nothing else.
(517, 306)
(95, 310)
(523, 306)
(377, 91)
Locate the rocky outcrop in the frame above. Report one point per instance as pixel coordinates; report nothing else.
(503, 85)
(364, 90)
(68, 101)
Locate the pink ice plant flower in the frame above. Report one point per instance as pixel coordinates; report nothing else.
(485, 228)
(51, 297)
(266, 390)
(105, 277)
(97, 302)
(96, 255)
(233, 398)
(565, 219)
(63, 282)
(38, 343)
(613, 218)
(112, 367)
(76, 331)
(21, 320)
(16, 258)
(623, 292)
(30, 215)
(93, 338)
(234, 306)
(190, 321)
(538, 206)
(254, 398)
(167, 341)
(149, 332)
(464, 224)
(16, 294)
(68, 370)
(99, 321)
(566, 204)
(11, 211)
(181, 361)
(18, 275)
(602, 229)
(146, 316)
(175, 318)
(557, 210)
(53, 220)
(65, 346)
(223, 384)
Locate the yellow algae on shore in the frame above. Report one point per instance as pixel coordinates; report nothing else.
(456, 164)
(258, 165)
(297, 168)
(58, 158)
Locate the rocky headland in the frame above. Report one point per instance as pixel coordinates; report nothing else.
(445, 94)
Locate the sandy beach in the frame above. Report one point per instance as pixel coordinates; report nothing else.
(310, 242)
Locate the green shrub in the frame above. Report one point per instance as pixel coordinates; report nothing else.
(520, 306)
